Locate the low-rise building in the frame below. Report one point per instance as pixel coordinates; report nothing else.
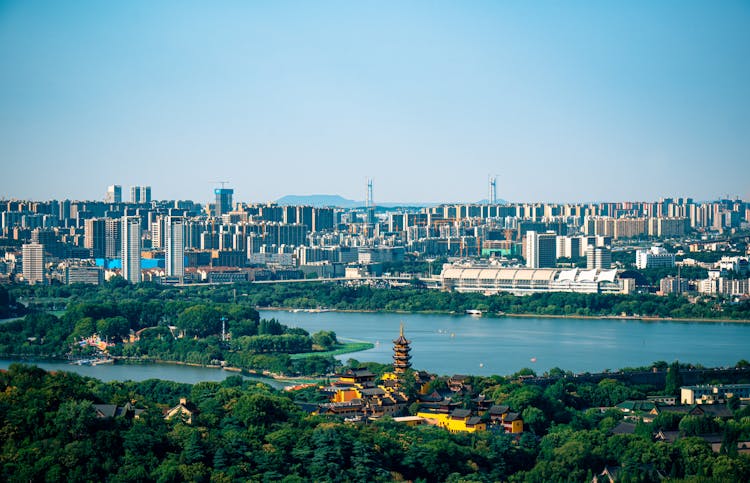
(457, 421)
(654, 257)
(707, 393)
(521, 281)
(673, 285)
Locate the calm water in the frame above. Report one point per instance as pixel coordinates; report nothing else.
(462, 344)
(141, 372)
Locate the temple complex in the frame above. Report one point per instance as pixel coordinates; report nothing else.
(360, 395)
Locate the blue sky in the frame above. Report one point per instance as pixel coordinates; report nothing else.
(564, 101)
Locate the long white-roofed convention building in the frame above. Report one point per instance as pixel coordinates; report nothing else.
(520, 281)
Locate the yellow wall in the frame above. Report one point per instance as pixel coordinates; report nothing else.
(346, 395)
(517, 426)
(453, 425)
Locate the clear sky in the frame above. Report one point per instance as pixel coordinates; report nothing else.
(564, 101)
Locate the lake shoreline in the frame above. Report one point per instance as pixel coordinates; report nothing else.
(503, 315)
(125, 361)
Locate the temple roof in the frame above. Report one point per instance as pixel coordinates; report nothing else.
(401, 339)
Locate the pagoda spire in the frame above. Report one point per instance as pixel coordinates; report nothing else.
(401, 356)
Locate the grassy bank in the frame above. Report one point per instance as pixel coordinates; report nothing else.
(354, 346)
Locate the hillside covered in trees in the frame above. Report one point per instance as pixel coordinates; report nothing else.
(54, 429)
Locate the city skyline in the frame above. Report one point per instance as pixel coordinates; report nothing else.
(570, 103)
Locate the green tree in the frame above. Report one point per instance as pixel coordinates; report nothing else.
(200, 320)
(326, 339)
(113, 328)
(674, 379)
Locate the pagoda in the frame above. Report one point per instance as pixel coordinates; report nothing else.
(401, 355)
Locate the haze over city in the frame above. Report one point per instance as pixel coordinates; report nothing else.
(581, 102)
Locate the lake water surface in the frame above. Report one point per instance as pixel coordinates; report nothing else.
(141, 372)
(462, 344)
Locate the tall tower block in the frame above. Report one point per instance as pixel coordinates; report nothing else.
(174, 242)
(131, 248)
(492, 195)
(401, 356)
(223, 200)
(369, 203)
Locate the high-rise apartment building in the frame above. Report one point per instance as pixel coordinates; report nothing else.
(174, 244)
(140, 194)
(131, 248)
(135, 194)
(157, 229)
(598, 257)
(114, 194)
(568, 246)
(113, 237)
(223, 201)
(95, 237)
(33, 263)
(541, 249)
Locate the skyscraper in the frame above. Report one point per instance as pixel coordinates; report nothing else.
(223, 201)
(541, 249)
(33, 263)
(174, 244)
(135, 194)
(131, 248)
(113, 238)
(114, 194)
(158, 232)
(95, 237)
(140, 194)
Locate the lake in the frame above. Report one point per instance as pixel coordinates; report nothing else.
(141, 372)
(462, 344)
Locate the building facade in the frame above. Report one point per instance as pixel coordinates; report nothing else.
(33, 263)
(114, 194)
(654, 257)
(598, 257)
(174, 246)
(223, 201)
(541, 249)
(131, 248)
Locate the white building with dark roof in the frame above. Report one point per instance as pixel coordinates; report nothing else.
(520, 281)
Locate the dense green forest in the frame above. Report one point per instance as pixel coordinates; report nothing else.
(244, 431)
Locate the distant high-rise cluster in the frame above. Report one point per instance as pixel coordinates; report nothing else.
(529, 247)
